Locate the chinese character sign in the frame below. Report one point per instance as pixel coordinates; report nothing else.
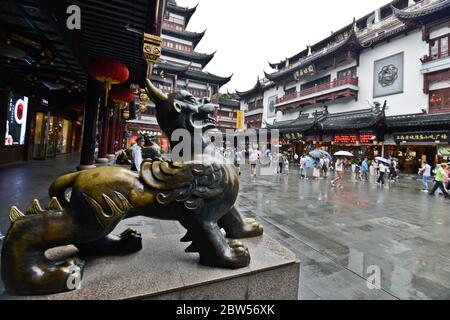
(304, 72)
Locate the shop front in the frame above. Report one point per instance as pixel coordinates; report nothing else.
(413, 148)
(361, 145)
(52, 132)
(292, 144)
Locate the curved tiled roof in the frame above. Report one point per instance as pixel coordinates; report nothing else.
(195, 37)
(185, 12)
(201, 58)
(414, 120)
(300, 125)
(361, 119)
(184, 71)
(351, 120)
(351, 40)
(304, 53)
(420, 13)
(258, 88)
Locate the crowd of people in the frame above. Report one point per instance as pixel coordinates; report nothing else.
(384, 170)
(441, 178)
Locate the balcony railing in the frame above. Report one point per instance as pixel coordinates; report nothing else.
(441, 55)
(173, 26)
(350, 80)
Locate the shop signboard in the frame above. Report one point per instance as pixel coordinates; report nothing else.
(304, 72)
(422, 137)
(363, 138)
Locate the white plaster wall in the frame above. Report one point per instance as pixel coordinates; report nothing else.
(412, 100)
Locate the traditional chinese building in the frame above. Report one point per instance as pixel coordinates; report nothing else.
(226, 113)
(332, 94)
(180, 67)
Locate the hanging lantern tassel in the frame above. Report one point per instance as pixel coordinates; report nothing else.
(108, 83)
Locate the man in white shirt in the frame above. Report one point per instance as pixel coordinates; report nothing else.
(136, 156)
(426, 173)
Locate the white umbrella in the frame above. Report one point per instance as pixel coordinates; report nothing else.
(343, 154)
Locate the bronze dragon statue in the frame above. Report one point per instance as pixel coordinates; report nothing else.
(200, 194)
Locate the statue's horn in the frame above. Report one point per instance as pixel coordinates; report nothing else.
(156, 95)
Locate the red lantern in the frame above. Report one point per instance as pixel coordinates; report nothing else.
(108, 71)
(121, 96)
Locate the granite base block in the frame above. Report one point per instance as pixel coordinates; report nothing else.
(162, 270)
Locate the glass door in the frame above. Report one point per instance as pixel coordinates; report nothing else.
(40, 136)
(53, 134)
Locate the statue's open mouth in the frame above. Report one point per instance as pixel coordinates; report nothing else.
(203, 121)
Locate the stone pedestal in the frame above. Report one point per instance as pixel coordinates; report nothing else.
(162, 270)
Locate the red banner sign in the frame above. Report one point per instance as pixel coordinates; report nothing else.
(353, 138)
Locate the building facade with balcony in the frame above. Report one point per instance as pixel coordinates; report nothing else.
(180, 67)
(332, 94)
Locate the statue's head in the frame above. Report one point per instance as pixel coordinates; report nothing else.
(181, 110)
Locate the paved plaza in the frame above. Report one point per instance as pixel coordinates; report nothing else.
(339, 235)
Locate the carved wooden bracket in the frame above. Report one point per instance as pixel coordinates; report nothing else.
(152, 48)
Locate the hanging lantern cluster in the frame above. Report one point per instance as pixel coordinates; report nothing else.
(109, 72)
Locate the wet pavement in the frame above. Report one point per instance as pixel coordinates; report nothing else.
(340, 236)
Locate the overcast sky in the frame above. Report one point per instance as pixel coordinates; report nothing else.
(249, 33)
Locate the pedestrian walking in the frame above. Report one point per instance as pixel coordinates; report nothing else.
(316, 169)
(280, 163)
(237, 161)
(425, 172)
(253, 158)
(303, 167)
(382, 169)
(339, 168)
(365, 169)
(286, 166)
(326, 166)
(358, 175)
(439, 180)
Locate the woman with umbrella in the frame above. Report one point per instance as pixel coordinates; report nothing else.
(339, 167)
(382, 168)
(318, 156)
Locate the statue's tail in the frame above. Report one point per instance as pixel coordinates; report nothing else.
(60, 185)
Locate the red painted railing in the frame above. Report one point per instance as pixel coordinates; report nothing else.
(319, 88)
(173, 26)
(441, 55)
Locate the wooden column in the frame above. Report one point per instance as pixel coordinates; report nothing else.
(118, 130)
(90, 125)
(103, 148)
(112, 134)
